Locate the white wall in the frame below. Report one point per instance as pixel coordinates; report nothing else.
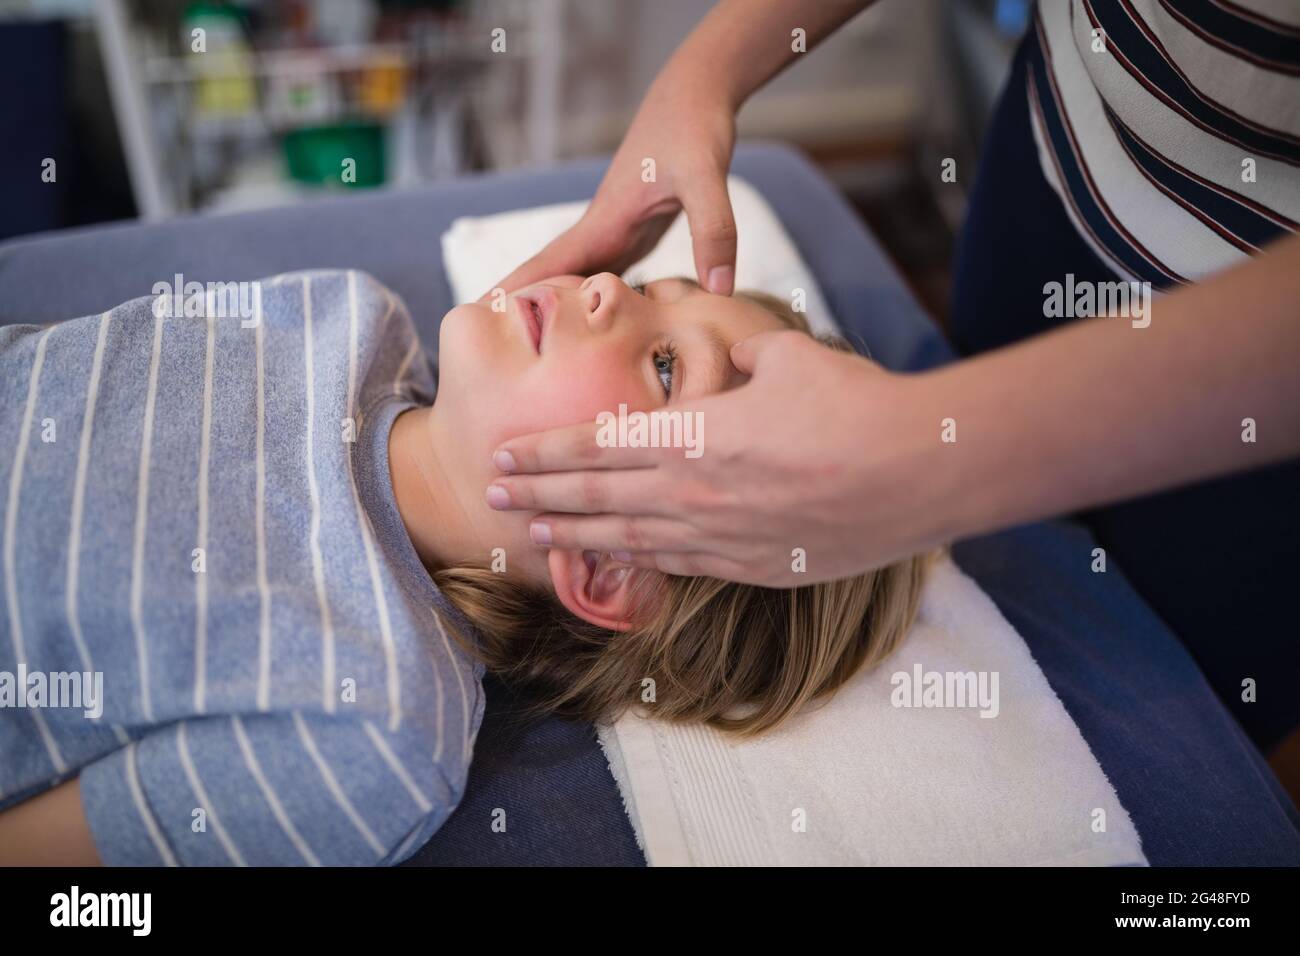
(876, 74)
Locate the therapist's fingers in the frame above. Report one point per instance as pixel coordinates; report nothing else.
(690, 564)
(561, 257)
(713, 232)
(637, 492)
(570, 253)
(620, 535)
(656, 544)
(571, 448)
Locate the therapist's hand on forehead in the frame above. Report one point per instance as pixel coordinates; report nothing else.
(824, 465)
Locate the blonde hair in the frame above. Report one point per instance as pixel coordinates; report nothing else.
(738, 657)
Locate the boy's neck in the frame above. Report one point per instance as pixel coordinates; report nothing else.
(430, 500)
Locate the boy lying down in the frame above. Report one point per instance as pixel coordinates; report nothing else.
(272, 542)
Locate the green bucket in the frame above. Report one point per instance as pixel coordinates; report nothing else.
(342, 154)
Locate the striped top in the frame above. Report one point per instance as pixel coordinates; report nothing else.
(1170, 128)
(199, 511)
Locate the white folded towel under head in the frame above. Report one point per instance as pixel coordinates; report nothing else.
(859, 779)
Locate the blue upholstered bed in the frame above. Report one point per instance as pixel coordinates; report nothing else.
(1197, 789)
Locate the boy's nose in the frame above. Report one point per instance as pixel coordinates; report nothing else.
(601, 297)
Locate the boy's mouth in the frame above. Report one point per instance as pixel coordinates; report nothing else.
(535, 308)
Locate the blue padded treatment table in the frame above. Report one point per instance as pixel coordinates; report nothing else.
(1197, 789)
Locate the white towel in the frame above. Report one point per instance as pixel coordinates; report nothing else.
(860, 781)
(856, 780)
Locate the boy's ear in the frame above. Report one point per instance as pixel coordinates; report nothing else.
(595, 587)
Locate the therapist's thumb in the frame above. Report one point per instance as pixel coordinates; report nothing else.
(713, 233)
(749, 353)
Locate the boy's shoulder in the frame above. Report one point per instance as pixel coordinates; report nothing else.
(365, 286)
(363, 282)
(332, 290)
(322, 273)
(187, 287)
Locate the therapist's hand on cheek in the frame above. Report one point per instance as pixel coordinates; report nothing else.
(786, 469)
(858, 467)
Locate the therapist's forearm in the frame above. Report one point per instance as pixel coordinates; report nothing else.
(741, 44)
(1103, 411)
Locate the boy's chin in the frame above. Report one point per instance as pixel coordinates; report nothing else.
(458, 323)
(469, 341)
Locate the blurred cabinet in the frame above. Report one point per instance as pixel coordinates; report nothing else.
(217, 110)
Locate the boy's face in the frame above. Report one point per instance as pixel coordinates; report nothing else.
(562, 352)
(567, 349)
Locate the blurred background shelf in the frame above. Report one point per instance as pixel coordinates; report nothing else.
(351, 92)
(142, 123)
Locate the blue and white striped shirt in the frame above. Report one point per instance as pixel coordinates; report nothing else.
(199, 509)
(1170, 128)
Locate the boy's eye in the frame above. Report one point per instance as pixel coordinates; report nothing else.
(665, 361)
(665, 357)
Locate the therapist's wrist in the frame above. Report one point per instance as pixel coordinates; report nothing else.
(900, 486)
(709, 67)
(1001, 455)
(944, 457)
(689, 81)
